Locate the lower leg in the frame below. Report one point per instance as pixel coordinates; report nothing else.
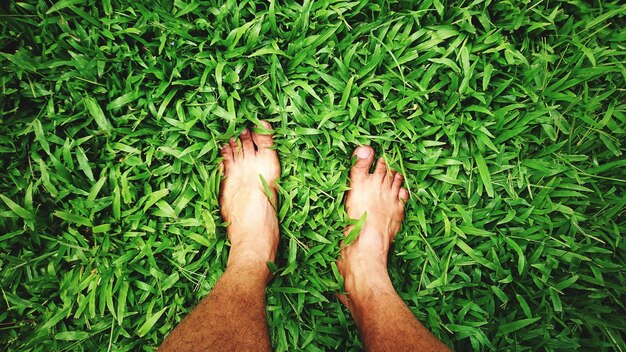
(232, 316)
(384, 320)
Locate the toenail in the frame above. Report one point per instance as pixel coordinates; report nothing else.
(244, 132)
(363, 152)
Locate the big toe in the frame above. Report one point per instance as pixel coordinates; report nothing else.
(364, 158)
(264, 140)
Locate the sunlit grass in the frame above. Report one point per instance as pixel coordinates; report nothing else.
(506, 118)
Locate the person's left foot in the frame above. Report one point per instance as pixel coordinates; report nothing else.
(253, 228)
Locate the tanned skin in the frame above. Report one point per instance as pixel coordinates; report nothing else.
(384, 320)
(232, 317)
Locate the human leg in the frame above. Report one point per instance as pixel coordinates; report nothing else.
(232, 316)
(384, 320)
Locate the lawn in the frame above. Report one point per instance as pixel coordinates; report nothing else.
(508, 119)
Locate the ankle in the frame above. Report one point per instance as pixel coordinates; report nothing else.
(238, 266)
(240, 230)
(364, 279)
(253, 245)
(365, 297)
(245, 254)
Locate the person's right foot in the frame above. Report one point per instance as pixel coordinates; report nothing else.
(363, 263)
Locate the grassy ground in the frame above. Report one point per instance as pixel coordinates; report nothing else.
(507, 118)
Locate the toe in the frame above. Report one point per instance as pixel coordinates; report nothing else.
(403, 195)
(264, 140)
(364, 158)
(397, 183)
(381, 170)
(246, 143)
(389, 177)
(227, 154)
(343, 299)
(234, 146)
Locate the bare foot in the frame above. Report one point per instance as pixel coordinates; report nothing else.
(253, 228)
(363, 264)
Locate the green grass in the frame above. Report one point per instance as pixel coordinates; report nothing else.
(507, 118)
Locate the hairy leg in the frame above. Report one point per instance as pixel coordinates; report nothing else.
(384, 320)
(232, 316)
